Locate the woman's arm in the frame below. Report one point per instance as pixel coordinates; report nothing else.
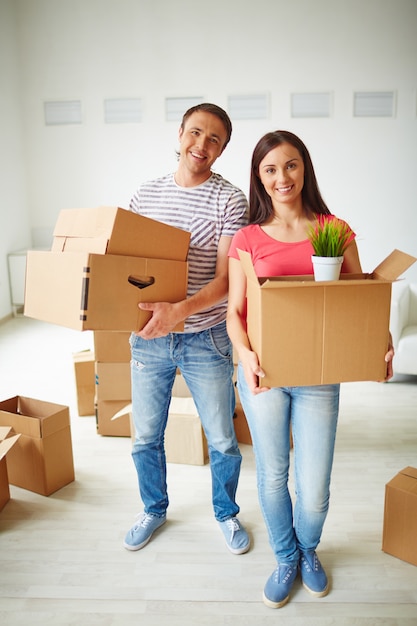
(236, 327)
(351, 261)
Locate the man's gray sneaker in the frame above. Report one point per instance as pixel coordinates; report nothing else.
(237, 539)
(140, 533)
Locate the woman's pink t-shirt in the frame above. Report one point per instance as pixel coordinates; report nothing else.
(271, 257)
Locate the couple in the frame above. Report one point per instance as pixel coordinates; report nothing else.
(284, 200)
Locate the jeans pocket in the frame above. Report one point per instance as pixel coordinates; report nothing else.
(220, 340)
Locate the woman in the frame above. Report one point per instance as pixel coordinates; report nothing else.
(284, 201)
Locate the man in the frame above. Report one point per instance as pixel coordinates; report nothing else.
(203, 203)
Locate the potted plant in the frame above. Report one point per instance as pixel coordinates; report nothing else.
(329, 238)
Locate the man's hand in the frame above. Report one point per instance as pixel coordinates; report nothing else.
(165, 317)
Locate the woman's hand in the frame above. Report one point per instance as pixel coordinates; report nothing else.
(388, 360)
(253, 373)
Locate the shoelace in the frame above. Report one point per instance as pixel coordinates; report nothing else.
(144, 520)
(233, 525)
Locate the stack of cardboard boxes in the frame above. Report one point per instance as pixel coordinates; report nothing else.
(112, 382)
(103, 263)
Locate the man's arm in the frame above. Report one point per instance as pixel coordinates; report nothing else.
(166, 315)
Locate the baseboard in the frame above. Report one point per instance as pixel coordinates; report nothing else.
(3, 320)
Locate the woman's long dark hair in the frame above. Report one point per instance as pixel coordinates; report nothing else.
(260, 204)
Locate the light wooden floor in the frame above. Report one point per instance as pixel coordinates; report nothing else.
(62, 560)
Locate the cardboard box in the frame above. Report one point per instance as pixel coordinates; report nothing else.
(113, 418)
(84, 370)
(87, 291)
(185, 441)
(241, 425)
(113, 381)
(400, 516)
(113, 230)
(180, 388)
(5, 446)
(41, 460)
(313, 333)
(104, 261)
(112, 346)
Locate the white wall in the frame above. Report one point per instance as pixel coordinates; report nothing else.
(14, 213)
(96, 49)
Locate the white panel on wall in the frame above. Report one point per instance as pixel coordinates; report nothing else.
(176, 107)
(374, 104)
(62, 112)
(249, 107)
(310, 104)
(123, 110)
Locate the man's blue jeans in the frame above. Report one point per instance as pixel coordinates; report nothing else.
(312, 413)
(205, 360)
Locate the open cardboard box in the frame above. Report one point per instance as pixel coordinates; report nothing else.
(42, 459)
(103, 263)
(313, 333)
(400, 516)
(6, 443)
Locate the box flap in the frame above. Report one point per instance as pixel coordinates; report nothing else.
(122, 412)
(4, 431)
(246, 261)
(394, 265)
(410, 471)
(84, 356)
(83, 222)
(7, 444)
(95, 245)
(34, 418)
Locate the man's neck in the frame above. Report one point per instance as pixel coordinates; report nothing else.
(185, 178)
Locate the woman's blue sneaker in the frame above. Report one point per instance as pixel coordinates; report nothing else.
(313, 575)
(278, 586)
(140, 533)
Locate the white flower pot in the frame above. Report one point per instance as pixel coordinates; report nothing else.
(327, 267)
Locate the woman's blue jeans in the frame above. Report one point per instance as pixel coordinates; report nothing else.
(205, 360)
(312, 414)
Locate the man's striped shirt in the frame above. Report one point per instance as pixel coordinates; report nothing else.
(214, 209)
